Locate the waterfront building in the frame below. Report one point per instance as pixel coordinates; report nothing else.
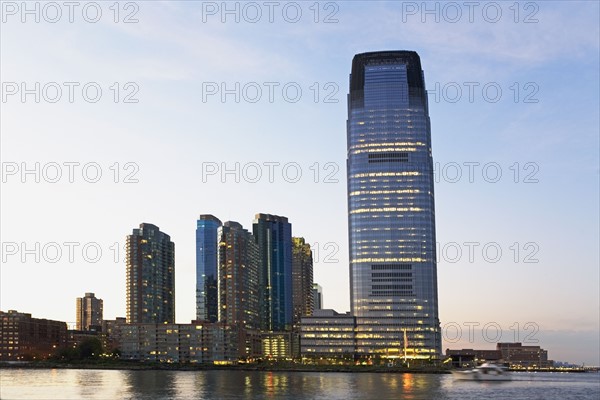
(514, 355)
(111, 333)
(391, 216)
(302, 280)
(238, 289)
(273, 235)
(150, 276)
(198, 342)
(25, 338)
(328, 334)
(517, 355)
(471, 357)
(207, 297)
(277, 345)
(76, 337)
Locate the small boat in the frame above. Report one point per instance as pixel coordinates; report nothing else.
(485, 372)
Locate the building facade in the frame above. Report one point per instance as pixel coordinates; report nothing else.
(318, 296)
(198, 342)
(391, 217)
(273, 235)
(111, 333)
(25, 338)
(238, 289)
(89, 313)
(302, 280)
(277, 345)
(471, 357)
(328, 334)
(150, 276)
(519, 356)
(207, 297)
(512, 354)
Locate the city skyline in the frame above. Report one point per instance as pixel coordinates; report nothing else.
(546, 152)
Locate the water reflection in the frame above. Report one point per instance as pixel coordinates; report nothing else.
(209, 385)
(274, 383)
(150, 384)
(248, 385)
(96, 383)
(390, 385)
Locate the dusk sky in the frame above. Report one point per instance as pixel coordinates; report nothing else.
(514, 106)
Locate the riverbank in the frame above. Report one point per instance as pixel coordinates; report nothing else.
(275, 367)
(278, 367)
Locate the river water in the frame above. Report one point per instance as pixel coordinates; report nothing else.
(153, 385)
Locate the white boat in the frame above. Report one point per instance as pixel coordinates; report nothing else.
(485, 372)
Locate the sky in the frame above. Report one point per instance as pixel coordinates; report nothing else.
(157, 112)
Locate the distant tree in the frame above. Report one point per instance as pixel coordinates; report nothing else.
(90, 348)
(66, 354)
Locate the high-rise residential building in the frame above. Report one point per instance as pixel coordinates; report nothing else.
(273, 234)
(302, 279)
(391, 216)
(207, 296)
(317, 296)
(237, 262)
(89, 313)
(150, 276)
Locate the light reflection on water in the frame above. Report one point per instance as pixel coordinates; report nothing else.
(204, 385)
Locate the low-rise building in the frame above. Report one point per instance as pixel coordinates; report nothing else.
(198, 342)
(76, 337)
(328, 334)
(471, 357)
(25, 338)
(514, 355)
(111, 333)
(517, 355)
(277, 345)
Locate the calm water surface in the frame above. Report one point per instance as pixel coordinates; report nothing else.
(154, 385)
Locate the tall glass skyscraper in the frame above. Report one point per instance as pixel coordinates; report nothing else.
(207, 294)
(273, 235)
(391, 215)
(150, 276)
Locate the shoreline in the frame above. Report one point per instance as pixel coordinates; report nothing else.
(137, 366)
(187, 367)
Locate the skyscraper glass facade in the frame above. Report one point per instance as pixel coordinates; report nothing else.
(207, 295)
(391, 213)
(273, 235)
